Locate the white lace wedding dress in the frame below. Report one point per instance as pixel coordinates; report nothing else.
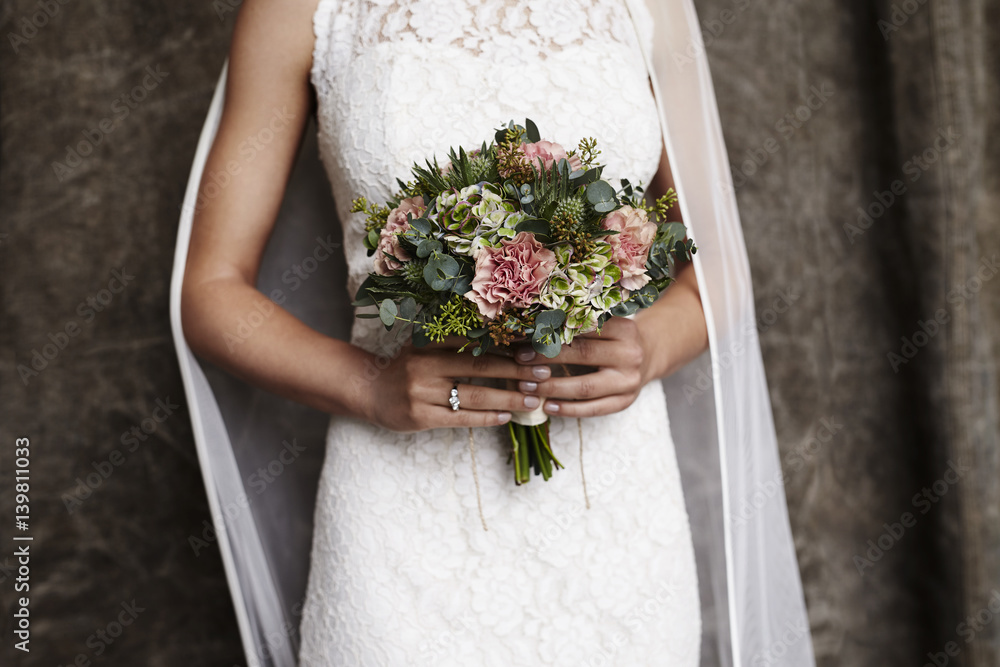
(402, 572)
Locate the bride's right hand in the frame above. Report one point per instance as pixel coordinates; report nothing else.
(411, 392)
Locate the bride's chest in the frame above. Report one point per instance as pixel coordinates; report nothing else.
(402, 81)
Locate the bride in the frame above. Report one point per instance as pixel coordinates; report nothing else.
(562, 576)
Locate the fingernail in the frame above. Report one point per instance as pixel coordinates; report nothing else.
(541, 372)
(504, 417)
(525, 354)
(531, 402)
(528, 387)
(551, 408)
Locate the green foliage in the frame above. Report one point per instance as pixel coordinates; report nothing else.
(376, 216)
(547, 337)
(588, 152)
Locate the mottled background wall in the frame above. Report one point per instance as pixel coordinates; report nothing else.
(827, 107)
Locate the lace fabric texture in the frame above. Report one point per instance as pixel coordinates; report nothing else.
(402, 572)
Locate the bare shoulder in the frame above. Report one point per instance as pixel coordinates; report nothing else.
(274, 38)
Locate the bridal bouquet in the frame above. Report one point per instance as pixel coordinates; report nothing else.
(517, 240)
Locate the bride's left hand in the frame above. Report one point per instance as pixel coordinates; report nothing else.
(622, 360)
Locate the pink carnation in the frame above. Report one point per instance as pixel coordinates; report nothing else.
(550, 152)
(512, 274)
(630, 246)
(388, 241)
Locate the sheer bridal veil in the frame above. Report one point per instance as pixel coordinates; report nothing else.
(260, 456)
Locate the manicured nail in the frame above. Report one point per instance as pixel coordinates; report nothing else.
(531, 402)
(503, 417)
(528, 387)
(525, 354)
(551, 408)
(541, 372)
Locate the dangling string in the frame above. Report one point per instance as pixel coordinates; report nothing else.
(579, 430)
(475, 477)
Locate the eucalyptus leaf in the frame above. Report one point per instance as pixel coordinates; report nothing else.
(554, 318)
(408, 308)
(600, 192)
(462, 285)
(578, 178)
(422, 225)
(625, 309)
(646, 296)
(428, 246)
(547, 349)
(532, 131)
(536, 226)
(387, 312)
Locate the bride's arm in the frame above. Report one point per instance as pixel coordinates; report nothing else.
(672, 330)
(270, 62)
(270, 58)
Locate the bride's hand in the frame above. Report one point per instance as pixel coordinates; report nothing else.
(621, 358)
(411, 393)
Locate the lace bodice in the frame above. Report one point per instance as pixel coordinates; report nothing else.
(399, 81)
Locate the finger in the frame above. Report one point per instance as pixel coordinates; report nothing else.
(605, 382)
(476, 397)
(606, 405)
(448, 343)
(487, 366)
(614, 328)
(460, 343)
(588, 352)
(448, 418)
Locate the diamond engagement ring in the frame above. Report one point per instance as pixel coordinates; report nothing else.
(453, 399)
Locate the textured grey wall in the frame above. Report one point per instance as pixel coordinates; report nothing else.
(823, 110)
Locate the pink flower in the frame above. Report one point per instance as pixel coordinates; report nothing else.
(388, 241)
(512, 274)
(550, 152)
(630, 246)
